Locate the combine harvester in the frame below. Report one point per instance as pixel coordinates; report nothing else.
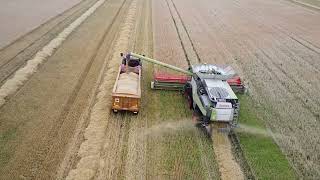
(209, 89)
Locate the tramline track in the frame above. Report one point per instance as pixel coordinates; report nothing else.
(12, 59)
(50, 151)
(236, 148)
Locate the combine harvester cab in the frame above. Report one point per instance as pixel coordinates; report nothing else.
(126, 94)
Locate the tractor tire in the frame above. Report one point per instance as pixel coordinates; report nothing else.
(190, 102)
(187, 90)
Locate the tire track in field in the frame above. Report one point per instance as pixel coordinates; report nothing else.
(59, 18)
(97, 153)
(194, 59)
(308, 104)
(135, 166)
(99, 49)
(121, 142)
(301, 155)
(198, 59)
(70, 158)
(228, 166)
(10, 52)
(179, 35)
(204, 158)
(115, 150)
(48, 150)
(247, 46)
(304, 88)
(12, 62)
(286, 79)
(24, 73)
(282, 24)
(302, 41)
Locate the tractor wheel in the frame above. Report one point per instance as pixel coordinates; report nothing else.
(190, 102)
(196, 112)
(188, 94)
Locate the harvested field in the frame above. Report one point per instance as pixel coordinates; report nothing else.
(56, 123)
(228, 167)
(277, 57)
(33, 143)
(18, 18)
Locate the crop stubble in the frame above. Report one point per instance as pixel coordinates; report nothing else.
(277, 53)
(122, 152)
(228, 167)
(136, 157)
(201, 156)
(277, 56)
(18, 52)
(35, 128)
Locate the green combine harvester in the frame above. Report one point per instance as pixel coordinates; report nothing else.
(209, 89)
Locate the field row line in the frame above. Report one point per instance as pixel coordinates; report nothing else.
(13, 60)
(244, 166)
(99, 52)
(23, 74)
(308, 104)
(92, 162)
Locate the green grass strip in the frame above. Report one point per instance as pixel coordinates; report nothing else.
(186, 153)
(263, 154)
(182, 156)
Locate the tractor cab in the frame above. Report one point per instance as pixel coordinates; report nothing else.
(130, 64)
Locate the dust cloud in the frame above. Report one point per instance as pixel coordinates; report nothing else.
(253, 130)
(169, 127)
